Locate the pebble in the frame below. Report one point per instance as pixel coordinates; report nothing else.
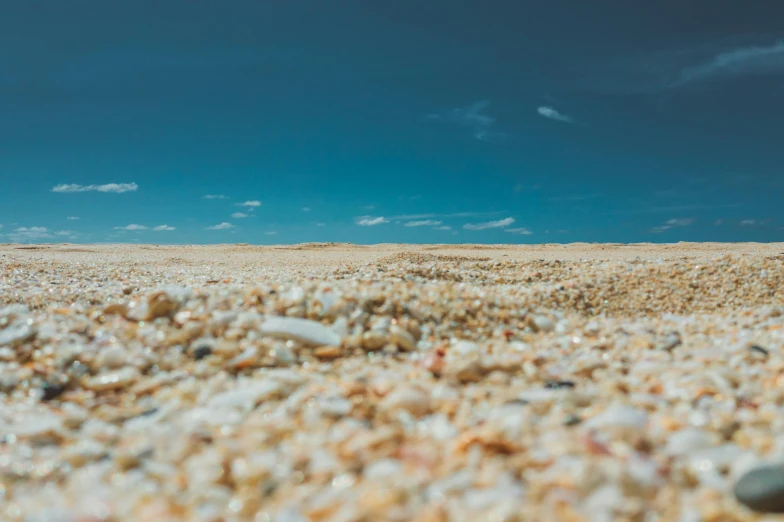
(114, 380)
(16, 334)
(303, 330)
(762, 489)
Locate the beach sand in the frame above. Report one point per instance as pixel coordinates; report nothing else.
(428, 383)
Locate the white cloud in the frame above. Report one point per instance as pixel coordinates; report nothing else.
(239, 215)
(552, 114)
(72, 218)
(321, 224)
(471, 116)
(65, 233)
(736, 62)
(117, 188)
(271, 233)
(250, 204)
(501, 223)
(131, 227)
(220, 226)
(748, 223)
(673, 223)
(164, 228)
(424, 223)
(305, 209)
(444, 227)
(368, 221)
(519, 231)
(23, 234)
(215, 196)
(409, 217)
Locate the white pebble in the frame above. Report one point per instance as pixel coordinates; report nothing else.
(303, 330)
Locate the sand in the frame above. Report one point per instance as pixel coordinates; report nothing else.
(338, 382)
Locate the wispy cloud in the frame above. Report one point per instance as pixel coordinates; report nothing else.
(321, 224)
(164, 228)
(215, 196)
(305, 209)
(519, 231)
(117, 188)
(24, 234)
(65, 233)
(443, 227)
(220, 226)
(673, 223)
(754, 59)
(423, 223)
(501, 223)
(131, 227)
(250, 204)
(473, 117)
(270, 233)
(72, 218)
(369, 221)
(408, 217)
(735, 56)
(576, 197)
(670, 208)
(239, 215)
(552, 114)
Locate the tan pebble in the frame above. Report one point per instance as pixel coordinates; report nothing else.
(404, 340)
(328, 352)
(160, 304)
(373, 341)
(111, 357)
(116, 309)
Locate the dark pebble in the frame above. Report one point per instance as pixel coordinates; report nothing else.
(762, 489)
(52, 391)
(558, 385)
(572, 420)
(759, 349)
(201, 352)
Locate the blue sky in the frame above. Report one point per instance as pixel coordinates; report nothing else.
(407, 121)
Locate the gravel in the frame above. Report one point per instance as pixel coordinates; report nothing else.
(328, 382)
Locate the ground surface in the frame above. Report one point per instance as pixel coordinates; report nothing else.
(390, 382)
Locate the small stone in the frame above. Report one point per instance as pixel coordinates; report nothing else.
(404, 340)
(759, 349)
(373, 341)
(670, 341)
(328, 352)
(409, 399)
(16, 334)
(116, 309)
(303, 330)
(762, 489)
(52, 390)
(201, 352)
(559, 385)
(111, 357)
(544, 323)
(112, 380)
(160, 304)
